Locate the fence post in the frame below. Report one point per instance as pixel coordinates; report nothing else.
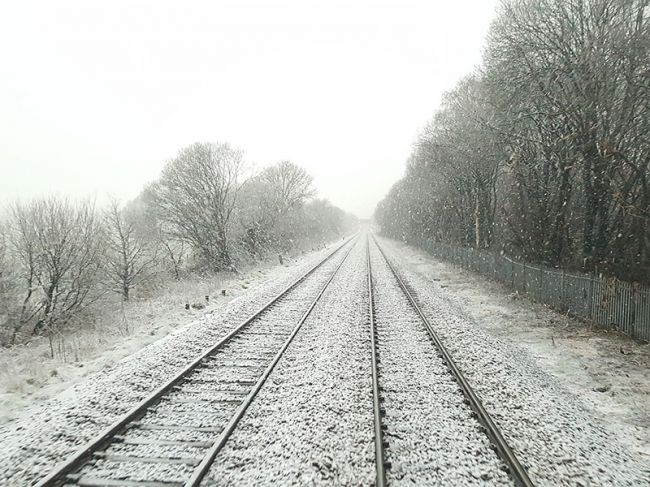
(562, 292)
(591, 299)
(524, 264)
(632, 312)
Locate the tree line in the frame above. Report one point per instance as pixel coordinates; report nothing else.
(58, 257)
(544, 151)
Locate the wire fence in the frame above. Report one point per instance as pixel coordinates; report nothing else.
(607, 302)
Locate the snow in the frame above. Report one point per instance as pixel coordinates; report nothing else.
(537, 373)
(432, 437)
(28, 374)
(541, 395)
(44, 432)
(312, 423)
(226, 376)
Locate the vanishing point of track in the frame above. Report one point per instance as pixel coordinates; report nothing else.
(182, 390)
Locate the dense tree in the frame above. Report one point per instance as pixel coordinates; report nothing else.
(576, 72)
(458, 148)
(544, 152)
(323, 221)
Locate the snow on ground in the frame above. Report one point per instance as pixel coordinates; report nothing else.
(43, 432)
(584, 423)
(587, 420)
(431, 434)
(28, 374)
(312, 421)
(244, 360)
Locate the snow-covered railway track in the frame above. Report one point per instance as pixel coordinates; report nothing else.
(172, 437)
(430, 425)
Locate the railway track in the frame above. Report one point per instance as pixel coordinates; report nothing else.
(393, 424)
(377, 407)
(171, 438)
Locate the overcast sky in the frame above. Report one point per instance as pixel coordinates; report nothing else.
(96, 96)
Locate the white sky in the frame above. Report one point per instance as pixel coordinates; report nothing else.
(96, 96)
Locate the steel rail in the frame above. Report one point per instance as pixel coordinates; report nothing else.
(380, 464)
(516, 469)
(58, 475)
(208, 459)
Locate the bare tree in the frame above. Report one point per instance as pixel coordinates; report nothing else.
(130, 258)
(289, 185)
(4, 257)
(59, 247)
(256, 218)
(196, 195)
(174, 251)
(156, 234)
(7, 288)
(286, 187)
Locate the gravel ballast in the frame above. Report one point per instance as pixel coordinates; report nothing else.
(49, 432)
(312, 423)
(432, 438)
(225, 380)
(553, 434)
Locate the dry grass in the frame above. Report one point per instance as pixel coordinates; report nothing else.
(114, 327)
(112, 330)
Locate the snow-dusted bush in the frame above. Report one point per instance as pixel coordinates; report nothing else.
(58, 248)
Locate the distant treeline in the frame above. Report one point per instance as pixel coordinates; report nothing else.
(544, 152)
(57, 257)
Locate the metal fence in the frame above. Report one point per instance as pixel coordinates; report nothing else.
(604, 301)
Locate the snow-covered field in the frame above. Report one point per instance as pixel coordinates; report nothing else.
(539, 374)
